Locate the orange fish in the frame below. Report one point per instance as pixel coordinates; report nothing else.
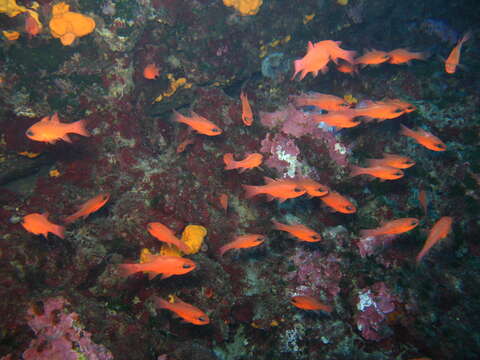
(347, 68)
(300, 231)
(403, 56)
(405, 106)
(166, 235)
(318, 55)
(158, 264)
(186, 311)
(38, 224)
(32, 27)
(424, 138)
(89, 207)
(372, 57)
(243, 242)
(50, 130)
(393, 227)
(151, 71)
(453, 59)
(247, 115)
(392, 160)
(423, 200)
(198, 123)
(305, 302)
(338, 203)
(322, 101)
(312, 187)
(183, 145)
(439, 231)
(281, 189)
(341, 119)
(381, 172)
(381, 110)
(251, 161)
(223, 199)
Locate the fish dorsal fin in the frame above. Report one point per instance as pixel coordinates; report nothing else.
(45, 119)
(310, 45)
(46, 214)
(54, 118)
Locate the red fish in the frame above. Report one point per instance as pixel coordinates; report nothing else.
(158, 264)
(89, 207)
(223, 199)
(166, 235)
(405, 106)
(338, 203)
(313, 188)
(301, 232)
(318, 55)
(342, 119)
(184, 310)
(243, 242)
(423, 200)
(424, 138)
(305, 302)
(453, 59)
(347, 68)
(381, 172)
(151, 72)
(38, 224)
(372, 57)
(198, 123)
(183, 145)
(281, 189)
(322, 101)
(392, 160)
(439, 231)
(393, 227)
(380, 110)
(247, 114)
(250, 162)
(50, 130)
(403, 56)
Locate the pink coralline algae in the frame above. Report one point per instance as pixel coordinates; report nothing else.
(59, 336)
(369, 245)
(373, 306)
(281, 153)
(316, 274)
(297, 123)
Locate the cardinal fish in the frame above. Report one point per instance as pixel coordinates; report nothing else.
(251, 161)
(301, 232)
(38, 224)
(309, 303)
(184, 310)
(50, 130)
(158, 264)
(281, 189)
(164, 234)
(198, 123)
(89, 207)
(243, 242)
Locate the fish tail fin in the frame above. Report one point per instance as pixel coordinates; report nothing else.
(406, 131)
(177, 117)
(250, 191)
(349, 55)
(70, 219)
(78, 127)
(59, 231)
(374, 162)
(424, 55)
(127, 269)
(161, 303)
(467, 36)
(278, 225)
(420, 256)
(229, 161)
(224, 249)
(356, 170)
(184, 247)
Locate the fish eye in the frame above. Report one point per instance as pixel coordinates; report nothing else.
(201, 318)
(314, 237)
(29, 132)
(386, 56)
(298, 189)
(186, 266)
(215, 130)
(441, 146)
(408, 162)
(398, 173)
(349, 208)
(259, 239)
(398, 110)
(414, 222)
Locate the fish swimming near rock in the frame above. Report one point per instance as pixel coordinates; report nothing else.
(50, 130)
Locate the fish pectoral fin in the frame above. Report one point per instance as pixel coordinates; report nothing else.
(152, 275)
(165, 276)
(66, 138)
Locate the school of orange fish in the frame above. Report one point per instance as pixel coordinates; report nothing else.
(339, 114)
